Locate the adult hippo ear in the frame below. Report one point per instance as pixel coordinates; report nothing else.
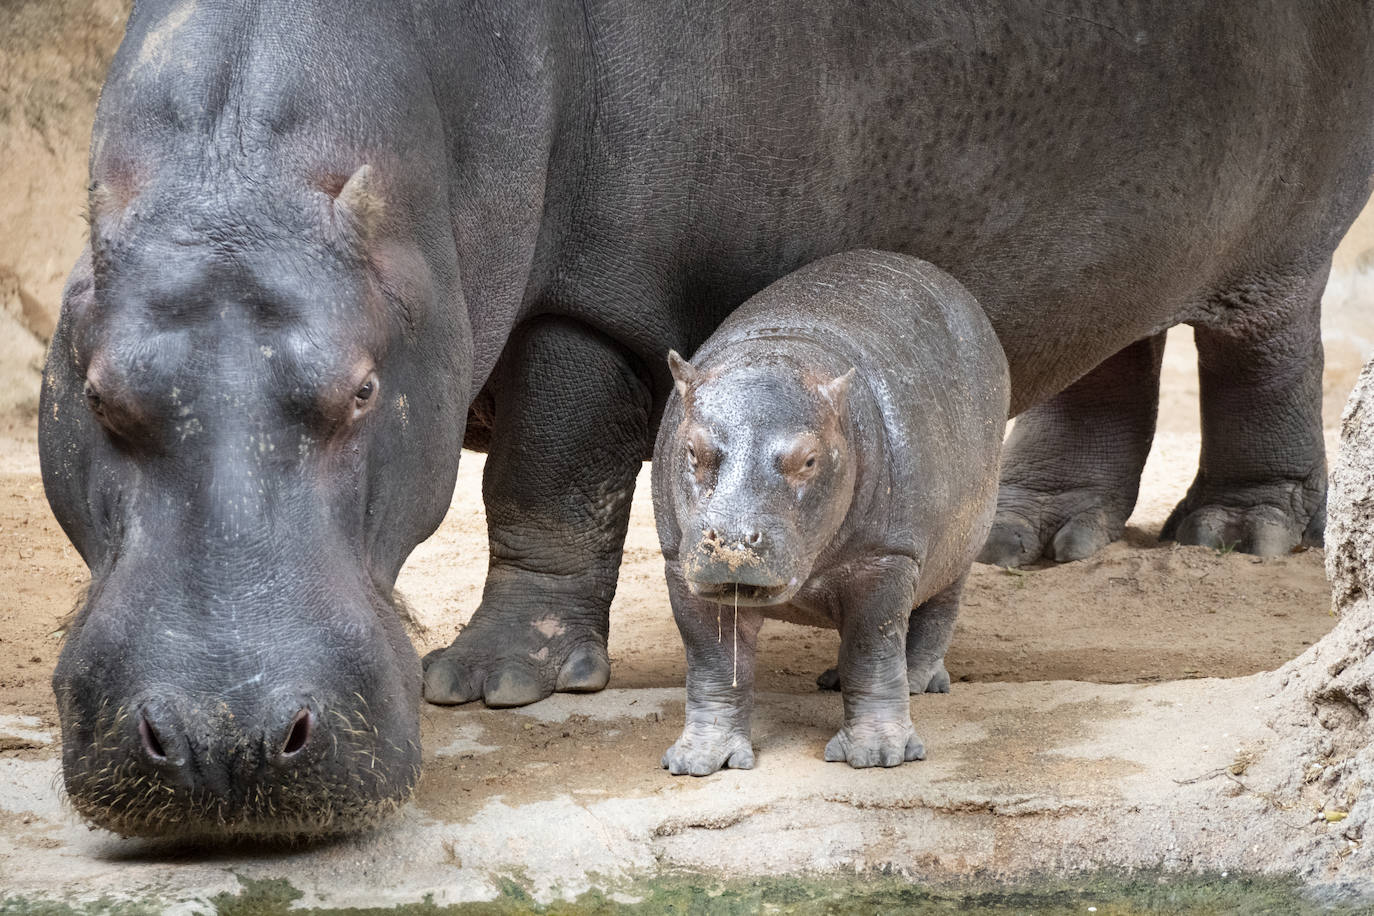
(358, 205)
(684, 373)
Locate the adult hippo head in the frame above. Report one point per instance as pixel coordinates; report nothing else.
(241, 402)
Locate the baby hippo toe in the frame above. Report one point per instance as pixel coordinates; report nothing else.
(701, 752)
(886, 747)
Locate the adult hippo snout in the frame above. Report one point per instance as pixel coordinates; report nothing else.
(188, 708)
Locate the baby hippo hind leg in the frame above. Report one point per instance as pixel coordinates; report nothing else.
(873, 672)
(927, 640)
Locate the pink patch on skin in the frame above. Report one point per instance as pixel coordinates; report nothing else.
(550, 627)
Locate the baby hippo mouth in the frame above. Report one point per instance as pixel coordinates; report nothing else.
(743, 594)
(750, 570)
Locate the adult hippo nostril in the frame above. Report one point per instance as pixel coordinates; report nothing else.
(298, 734)
(152, 744)
(158, 736)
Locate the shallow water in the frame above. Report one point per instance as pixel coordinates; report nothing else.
(1101, 894)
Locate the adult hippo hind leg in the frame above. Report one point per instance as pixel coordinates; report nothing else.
(1071, 468)
(571, 427)
(1261, 480)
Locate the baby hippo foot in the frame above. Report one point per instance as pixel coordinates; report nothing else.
(504, 667)
(702, 750)
(887, 745)
(829, 679)
(934, 682)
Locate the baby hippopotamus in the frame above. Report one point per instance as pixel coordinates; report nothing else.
(830, 457)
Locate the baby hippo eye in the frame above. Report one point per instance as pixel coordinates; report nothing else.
(801, 461)
(365, 396)
(691, 454)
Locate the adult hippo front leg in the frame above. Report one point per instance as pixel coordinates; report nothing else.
(1071, 468)
(570, 430)
(1261, 480)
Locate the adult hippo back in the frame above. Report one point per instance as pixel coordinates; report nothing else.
(322, 233)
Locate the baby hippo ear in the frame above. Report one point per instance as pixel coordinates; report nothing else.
(684, 375)
(836, 391)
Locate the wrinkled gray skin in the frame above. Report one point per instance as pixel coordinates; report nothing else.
(829, 458)
(556, 194)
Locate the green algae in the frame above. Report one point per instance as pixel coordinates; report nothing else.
(19, 906)
(688, 894)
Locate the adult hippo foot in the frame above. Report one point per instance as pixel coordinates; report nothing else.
(935, 682)
(504, 666)
(1267, 521)
(888, 745)
(703, 750)
(1064, 526)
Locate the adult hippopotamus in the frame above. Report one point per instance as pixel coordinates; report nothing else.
(829, 457)
(330, 242)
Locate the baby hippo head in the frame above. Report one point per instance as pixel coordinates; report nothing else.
(763, 474)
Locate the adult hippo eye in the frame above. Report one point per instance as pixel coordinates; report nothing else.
(93, 400)
(365, 396)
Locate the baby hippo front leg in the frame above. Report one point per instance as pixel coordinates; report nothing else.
(720, 641)
(875, 609)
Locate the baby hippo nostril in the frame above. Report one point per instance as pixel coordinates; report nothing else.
(152, 745)
(753, 538)
(710, 534)
(298, 734)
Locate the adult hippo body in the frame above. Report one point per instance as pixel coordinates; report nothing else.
(321, 232)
